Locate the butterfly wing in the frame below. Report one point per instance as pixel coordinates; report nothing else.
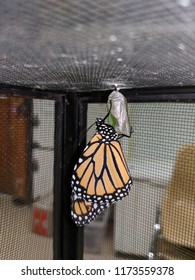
(83, 212)
(101, 174)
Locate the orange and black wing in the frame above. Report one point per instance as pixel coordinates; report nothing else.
(101, 174)
(84, 212)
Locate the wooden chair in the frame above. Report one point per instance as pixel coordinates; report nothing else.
(175, 228)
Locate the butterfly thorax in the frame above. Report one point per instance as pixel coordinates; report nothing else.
(107, 132)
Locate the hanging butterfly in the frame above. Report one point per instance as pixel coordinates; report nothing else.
(101, 176)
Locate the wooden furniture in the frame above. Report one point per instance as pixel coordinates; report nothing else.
(178, 209)
(14, 147)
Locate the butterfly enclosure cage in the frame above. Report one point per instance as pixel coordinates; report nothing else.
(59, 62)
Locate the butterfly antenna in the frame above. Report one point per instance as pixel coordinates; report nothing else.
(85, 132)
(108, 111)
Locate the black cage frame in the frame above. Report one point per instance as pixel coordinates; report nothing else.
(70, 123)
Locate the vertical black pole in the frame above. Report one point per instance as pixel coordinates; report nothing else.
(70, 123)
(72, 240)
(58, 179)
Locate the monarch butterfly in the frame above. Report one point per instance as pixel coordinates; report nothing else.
(84, 212)
(101, 176)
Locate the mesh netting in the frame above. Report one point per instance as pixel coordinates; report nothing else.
(79, 45)
(26, 178)
(157, 219)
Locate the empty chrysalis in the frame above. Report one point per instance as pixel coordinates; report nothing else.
(118, 116)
